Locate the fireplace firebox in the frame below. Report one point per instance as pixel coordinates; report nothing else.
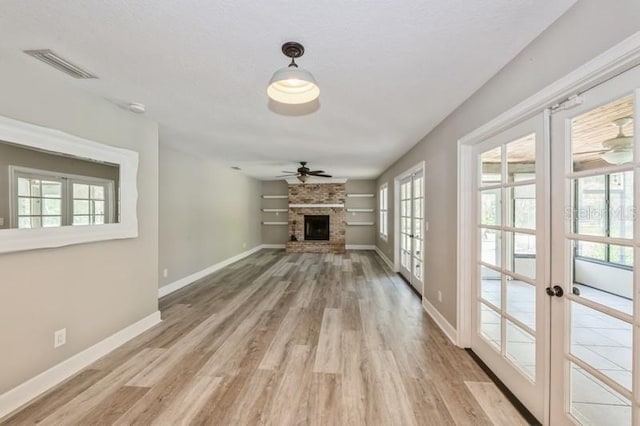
(316, 227)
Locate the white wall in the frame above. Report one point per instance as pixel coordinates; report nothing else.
(208, 213)
(586, 30)
(92, 289)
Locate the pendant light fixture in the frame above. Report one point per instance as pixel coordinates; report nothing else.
(293, 85)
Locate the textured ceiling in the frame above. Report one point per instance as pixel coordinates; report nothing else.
(389, 71)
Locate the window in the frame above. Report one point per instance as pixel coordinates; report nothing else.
(44, 199)
(604, 208)
(383, 211)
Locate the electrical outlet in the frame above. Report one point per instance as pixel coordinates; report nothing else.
(165, 272)
(59, 338)
(244, 245)
(439, 296)
(1, 221)
(426, 226)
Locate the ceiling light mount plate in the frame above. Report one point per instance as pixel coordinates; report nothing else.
(293, 49)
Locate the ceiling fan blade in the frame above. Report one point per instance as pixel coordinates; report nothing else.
(316, 171)
(290, 174)
(591, 152)
(284, 171)
(320, 175)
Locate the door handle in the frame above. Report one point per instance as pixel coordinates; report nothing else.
(556, 290)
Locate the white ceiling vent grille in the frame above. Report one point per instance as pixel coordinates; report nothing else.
(48, 57)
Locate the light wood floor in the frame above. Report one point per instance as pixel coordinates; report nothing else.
(283, 339)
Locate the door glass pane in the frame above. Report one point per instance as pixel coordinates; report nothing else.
(80, 206)
(603, 273)
(51, 221)
(80, 190)
(521, 254)
(590, 215)
(521, 159)
(595, 403)
(521, 208)
(490, 326)
(23, 187)
(51, 189)
(603, 136)
(97, 192)
(491, 207)
(51, 206)
(603, 342)
(491, 167)
(490, 246)
(621, 209)
(490, 286)
(521, 301)
(81, 220)
(521, 349)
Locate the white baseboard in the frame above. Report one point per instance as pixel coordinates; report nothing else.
(27, 391)
(360, 247)
(441, 321)
(384, 258)
(190, 279)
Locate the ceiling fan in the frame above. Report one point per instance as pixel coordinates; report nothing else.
(617, 150)
(304, 172)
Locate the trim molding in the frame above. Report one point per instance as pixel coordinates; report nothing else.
(361, 247)
(190, 279)
(15, 398)
(273, 246)
(441, 321)
(385, 259)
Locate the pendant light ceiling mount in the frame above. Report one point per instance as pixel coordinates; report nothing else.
(293, 50)
(293, 85)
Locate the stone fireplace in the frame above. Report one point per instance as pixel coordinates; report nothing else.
(317, 218)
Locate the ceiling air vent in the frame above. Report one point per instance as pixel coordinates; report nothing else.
(48, 57)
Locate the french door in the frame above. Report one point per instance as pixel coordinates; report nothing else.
(511, 331)
(595, 245)
(411, 190)
(557, 239)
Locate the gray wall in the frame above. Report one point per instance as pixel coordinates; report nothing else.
(13, 155)
(208, 213)
(363, 235)
(586, 30)
(96, 289)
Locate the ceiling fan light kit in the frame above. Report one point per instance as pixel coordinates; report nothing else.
(293, 85)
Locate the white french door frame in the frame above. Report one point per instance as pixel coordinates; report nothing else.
(618, 59)
(420, 167)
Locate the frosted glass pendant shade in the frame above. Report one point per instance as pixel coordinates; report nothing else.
(293, 85)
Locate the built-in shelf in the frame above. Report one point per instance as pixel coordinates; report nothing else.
(275, 210)
(361, 210)
(275, 223)
(275, 196)
(360, 195)
(316, 206)
(360, 223)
